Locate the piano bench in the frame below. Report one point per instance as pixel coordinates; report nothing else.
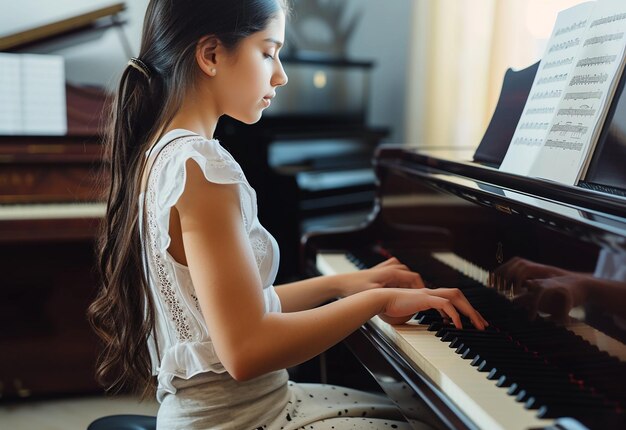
(124, 422)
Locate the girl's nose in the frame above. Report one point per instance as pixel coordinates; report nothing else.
(280, 78)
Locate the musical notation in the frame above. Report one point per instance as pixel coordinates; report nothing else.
(596, 78)
(546, 95)
(564, 144)
(564, 45)
(558, 63)
(583, 111)
(534, 126)
(608, 19)
(604, 38)
(527, 141)
(584, 95)
(569, 128)
(539, 111)
(596, 61)
(575, 26)
(552, 79)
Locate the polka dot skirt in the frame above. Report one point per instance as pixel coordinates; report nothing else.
(322, 407)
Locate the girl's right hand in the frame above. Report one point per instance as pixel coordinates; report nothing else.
(402, 304)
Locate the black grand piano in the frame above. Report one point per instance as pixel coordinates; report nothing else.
(452, 216)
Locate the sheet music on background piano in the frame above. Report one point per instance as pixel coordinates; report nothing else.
(32, 95)
(577, 77)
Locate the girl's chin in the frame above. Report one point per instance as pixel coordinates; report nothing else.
(251, 118)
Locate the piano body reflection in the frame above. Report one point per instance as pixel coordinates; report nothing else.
(455, 221)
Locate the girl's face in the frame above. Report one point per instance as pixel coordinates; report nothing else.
(246, 80)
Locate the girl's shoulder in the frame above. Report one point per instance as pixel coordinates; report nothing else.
(176, 147)
(179, 142)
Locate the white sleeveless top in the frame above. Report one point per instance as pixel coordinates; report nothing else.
(185, 347)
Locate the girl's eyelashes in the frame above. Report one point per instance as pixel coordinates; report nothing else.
(269, 56)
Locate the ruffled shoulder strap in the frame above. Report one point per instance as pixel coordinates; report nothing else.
(167, 179)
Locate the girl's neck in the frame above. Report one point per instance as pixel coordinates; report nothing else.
(197, 117)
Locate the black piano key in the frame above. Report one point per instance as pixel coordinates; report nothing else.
(521, 374)
(517, 384)
(576, 411)
(536, 401)
(540, 397)
(449, 333)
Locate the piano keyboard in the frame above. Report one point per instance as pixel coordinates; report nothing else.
(484, 402)
(52, 211)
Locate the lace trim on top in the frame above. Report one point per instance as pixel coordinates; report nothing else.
(165, 284)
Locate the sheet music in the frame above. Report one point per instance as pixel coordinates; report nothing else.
(10, 94)
(547, 89)
(43, 91)
(580, 116)
(32, 95)
(571, 93)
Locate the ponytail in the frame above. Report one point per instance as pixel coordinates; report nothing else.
(123, 313)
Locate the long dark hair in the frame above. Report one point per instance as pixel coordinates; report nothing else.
(123, 313)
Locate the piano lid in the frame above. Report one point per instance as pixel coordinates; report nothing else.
(587, 214)
(19, 29)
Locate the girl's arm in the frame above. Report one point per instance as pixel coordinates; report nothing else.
(309, 293)
(248, 341)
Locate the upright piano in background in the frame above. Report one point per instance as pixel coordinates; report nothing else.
(50, 207)
(51, 203)
(452, 216)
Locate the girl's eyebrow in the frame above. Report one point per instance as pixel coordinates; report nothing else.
(278, 44)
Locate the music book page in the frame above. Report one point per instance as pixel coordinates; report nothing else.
(32, 95)
(10, 94)
(571, 93)
(43, 103)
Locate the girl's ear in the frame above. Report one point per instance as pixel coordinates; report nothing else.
(207, 50)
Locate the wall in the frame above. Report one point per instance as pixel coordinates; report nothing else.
(383, 36)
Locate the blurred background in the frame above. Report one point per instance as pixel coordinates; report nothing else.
(438, 64)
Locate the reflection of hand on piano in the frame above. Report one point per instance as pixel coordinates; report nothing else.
(555, 291)
(519, 270)
(555, 296)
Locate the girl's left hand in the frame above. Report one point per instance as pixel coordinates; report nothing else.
(389, 273)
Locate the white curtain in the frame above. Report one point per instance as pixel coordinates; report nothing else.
(459, 51)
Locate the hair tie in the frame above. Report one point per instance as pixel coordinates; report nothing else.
(140, 65)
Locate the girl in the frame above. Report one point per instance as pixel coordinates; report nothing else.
(187, 269)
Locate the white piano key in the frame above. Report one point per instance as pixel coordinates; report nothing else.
(52, 211)
(329, 264)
